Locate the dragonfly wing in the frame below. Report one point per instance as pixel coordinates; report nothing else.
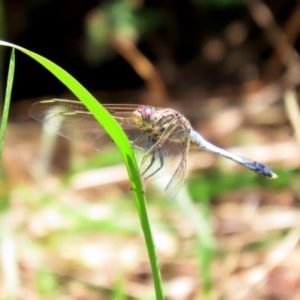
(72, 120)
(178, 178)
(167, 157)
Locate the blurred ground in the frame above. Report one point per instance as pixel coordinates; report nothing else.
(69, 226)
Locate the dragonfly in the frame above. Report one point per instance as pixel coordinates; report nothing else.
(162, 134)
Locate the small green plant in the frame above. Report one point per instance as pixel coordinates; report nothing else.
(115, 131)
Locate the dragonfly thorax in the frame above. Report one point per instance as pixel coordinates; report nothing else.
(156, 122)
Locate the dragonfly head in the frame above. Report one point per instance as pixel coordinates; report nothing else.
(144, 116)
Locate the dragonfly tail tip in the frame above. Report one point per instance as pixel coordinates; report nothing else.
(273, 176)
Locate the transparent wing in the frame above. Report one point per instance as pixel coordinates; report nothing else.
(72, 120)
(167, 157)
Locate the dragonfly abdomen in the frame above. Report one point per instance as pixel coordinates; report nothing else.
(197, 140)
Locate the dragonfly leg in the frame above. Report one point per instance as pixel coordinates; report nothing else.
(150, 164)
(153, 158)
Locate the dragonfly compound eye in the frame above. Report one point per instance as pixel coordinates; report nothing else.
(147, 112)
(144, 116)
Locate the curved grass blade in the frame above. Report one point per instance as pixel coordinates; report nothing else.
(9, 84)
(114, 130)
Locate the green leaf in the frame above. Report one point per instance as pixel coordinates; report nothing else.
(9, 84)
(114, 130)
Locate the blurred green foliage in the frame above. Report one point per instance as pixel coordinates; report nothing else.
(120, 20)
(219, 3)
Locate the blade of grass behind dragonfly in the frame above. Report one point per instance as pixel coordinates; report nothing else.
(199, 220)
(10, 274)
(114, 130)
(9, 84)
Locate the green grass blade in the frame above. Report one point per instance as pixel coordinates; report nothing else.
(114, 130)
(9, 84)
(200, 222)
(8, 257)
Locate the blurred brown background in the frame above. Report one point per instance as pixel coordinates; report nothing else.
(232, 67)
(203, 47)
